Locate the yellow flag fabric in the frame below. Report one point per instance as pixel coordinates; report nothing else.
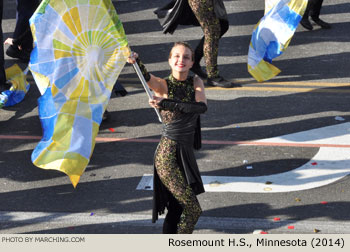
(80, 48)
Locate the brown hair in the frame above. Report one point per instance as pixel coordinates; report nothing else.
(185, 44)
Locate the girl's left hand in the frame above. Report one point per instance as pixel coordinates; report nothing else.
(154, 102)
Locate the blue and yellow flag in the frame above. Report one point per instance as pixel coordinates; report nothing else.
(271, 36)
(80, 48)
(269, 4)
(18, 89)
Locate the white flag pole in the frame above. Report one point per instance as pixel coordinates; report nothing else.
(145, 86)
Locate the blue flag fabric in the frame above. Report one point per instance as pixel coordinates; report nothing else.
(80, 48)
(271, 36)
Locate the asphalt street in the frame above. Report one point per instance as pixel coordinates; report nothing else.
(275, 155)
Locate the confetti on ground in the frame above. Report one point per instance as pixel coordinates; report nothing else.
(257, 231)
(111, 130)
(297, 199)
(268, 182)
(249, 167)
(277, 219)
(263, 232)
(91, 214)
(290, 227)
(339, 118)
(245, 161)
(314, 163)
(324, 202)
(316, 230)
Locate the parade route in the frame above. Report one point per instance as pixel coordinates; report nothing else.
(331, 163)
(133, 223)
(276, 149)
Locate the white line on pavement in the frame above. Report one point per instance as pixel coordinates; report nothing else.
(327, 166)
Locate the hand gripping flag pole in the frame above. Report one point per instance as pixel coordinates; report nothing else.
(145, 86)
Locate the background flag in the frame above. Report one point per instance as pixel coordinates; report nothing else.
(271, 37)
(80, 48)
(19, 88)
(269, 4)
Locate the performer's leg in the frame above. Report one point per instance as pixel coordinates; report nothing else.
(305, 22)
(204, 12)
(198, 53)
(191, 208)
(25, 9)
(22, 33)
(2, 61)
(173, 216)
(315, 14)
(174, 180)
(315, 8)
(307, 10)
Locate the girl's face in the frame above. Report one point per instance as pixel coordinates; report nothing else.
(180, 59)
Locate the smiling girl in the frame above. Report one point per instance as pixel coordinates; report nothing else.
(180, 99)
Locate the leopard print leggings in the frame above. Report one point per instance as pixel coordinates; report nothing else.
(204, 12)
(184, 210)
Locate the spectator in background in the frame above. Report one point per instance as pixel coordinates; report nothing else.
(313, 10)
(22, 43)
(3, 85)
(212, 17)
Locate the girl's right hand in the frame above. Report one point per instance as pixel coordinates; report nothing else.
(8, 41)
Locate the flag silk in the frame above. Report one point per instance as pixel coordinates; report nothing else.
(19, 88)
(269, 4)
(80, 48)
(271, 37)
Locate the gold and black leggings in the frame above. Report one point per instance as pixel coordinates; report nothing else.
(210, 24)
(183, 209)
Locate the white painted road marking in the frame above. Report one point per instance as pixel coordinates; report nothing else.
(327, 166)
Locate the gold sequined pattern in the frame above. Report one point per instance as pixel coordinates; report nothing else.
(204, 12)
(166, 162)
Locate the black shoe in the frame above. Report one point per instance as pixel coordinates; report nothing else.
(322, 23)
(120, 92)
(306, 24)
(219, 82)
(119, 89)
(196, 68)
(14, 52)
